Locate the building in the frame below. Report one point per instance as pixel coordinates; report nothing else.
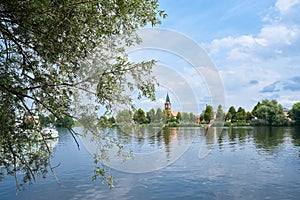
(168, 107)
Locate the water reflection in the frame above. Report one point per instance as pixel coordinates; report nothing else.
(268, 139)
(240, 163)
(295, 132)
(164, 146)
(152, 148)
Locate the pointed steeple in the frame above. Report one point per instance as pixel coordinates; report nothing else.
(168, 103)
(168, 99)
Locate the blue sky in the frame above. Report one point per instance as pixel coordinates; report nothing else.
(255, 45)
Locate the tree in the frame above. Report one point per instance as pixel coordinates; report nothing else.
(254, 110)
(249, 116)
(56, 54)
(220, 113)
(192, 117)
(166, 116)
(103, 121)
(124, 117)
(231, 115)
(159, 115)
(64, 121)
(241, 114)
(178, 117)
(151, 115)
(271, 112)
(208, 113)
(201, 117)
(111, 120)
(139, 116)
(44, 120)
(294, 113)
(185, 117)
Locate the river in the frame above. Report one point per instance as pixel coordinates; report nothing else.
(178, 163)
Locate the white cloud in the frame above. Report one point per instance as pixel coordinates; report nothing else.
(274, 35)
(278, 34)
(284, 5)
(267, 56)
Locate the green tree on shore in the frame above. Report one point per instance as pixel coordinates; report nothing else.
(254, 110)
(124, 117)
(139, 116)
(241, 114)
(249, 116)
(159, 115)
(179, 116)
(208, 113)
(231, 114)
(185, 117)
(220, 116)
(271, 112)
(294, 113)
(151, 115)
(56, 54)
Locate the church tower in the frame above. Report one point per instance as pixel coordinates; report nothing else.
(168, 103)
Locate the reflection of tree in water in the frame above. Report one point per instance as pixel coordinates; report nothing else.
(139, 136)
(239, 134)
(268, 137)
(168, 135)
(295, 133)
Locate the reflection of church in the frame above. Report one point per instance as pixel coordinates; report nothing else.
(168, 107)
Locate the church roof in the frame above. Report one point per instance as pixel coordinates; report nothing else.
(168, 99)
(174, 113)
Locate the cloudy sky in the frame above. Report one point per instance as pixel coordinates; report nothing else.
(254, 45)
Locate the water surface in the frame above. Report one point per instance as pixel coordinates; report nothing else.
(236, 163)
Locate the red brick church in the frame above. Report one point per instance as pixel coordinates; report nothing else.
(168, 107)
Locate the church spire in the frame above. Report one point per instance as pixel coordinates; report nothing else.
(168, 103)
(168, 99)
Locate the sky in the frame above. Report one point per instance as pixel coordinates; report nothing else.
(253, 45)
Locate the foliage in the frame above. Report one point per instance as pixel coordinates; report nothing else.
(106, 122)
(254, 110)
(201, 117)
(167, 117)
(294, 113)
(158, 115)
(151, 115)
(208, 113)
(55, 57)
(249, 116)
(220, 116)
(231, 115)
(241, 114)
(185, 117)
(139, 116)
(178, 117)
(173, 119)
(64, 121)
(271, 112)
(172, 124)
(124, 116)
(192, 117)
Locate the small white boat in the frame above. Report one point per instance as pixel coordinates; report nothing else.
(51, 131)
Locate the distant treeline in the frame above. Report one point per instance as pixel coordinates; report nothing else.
(266, 112)
(51, 120)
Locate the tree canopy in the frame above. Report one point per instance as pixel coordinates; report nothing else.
(294, 113)
(241, 114)
(208, 113)
(271, 112)
(55, 58)
(231, 115)
(139, 116)
(220, 114)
